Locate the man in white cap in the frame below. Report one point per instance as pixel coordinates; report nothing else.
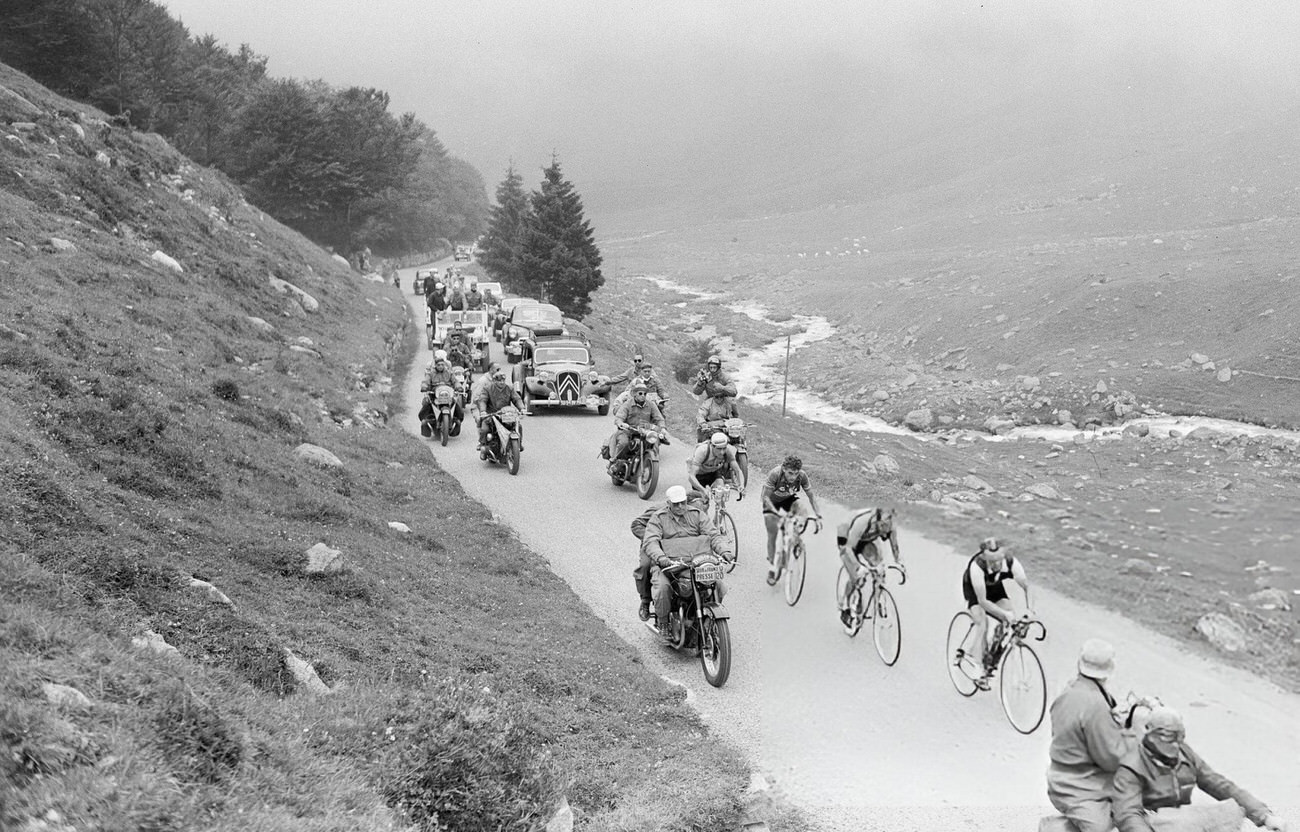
(1087, 742)
(1155, 781)
(677, 532)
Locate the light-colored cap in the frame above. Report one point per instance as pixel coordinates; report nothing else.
(1097, 659)
(720, 439)
(1165, 718)
(676, 494)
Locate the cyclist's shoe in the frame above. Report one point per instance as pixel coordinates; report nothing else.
(771, 574)
(846, 619)
(982, 683)
(644, 612)
(604, 452)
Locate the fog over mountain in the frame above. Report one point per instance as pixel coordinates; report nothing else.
(740, 101)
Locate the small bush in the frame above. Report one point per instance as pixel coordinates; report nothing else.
(467, 764)
(196, 737)
(226, 389)
(690, 358)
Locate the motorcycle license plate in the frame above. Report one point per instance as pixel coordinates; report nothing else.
(708, 573)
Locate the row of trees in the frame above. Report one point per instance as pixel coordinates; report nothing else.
(332, 163)
(541, 244)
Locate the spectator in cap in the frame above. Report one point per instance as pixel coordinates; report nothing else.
(1087, 742)
(1156, 778)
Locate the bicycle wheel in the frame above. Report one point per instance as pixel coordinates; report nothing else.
(962, 669)
(727, 528)
(794, 573)
(886, 628)
(1023, 688)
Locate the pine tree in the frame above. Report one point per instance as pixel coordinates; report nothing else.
(507, 225)
(559, 255)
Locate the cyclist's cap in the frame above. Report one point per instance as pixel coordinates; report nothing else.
(499, 373)
(720, 439)
(989, 544)
(440, 355)
(639, 388)
(1097, 659)
(676, 494)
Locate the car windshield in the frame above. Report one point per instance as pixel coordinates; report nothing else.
(474, 318)
(568, 355)
(494, 288)
(532, 314)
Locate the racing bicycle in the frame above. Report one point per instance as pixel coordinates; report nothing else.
(719, 491)
(1022, 686)
(791, 556)
(878, 605)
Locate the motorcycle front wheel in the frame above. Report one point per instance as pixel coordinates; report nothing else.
(647, 478)
(715, 650)
(444, 428)
(512, 456)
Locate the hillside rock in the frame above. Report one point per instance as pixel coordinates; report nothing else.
(261, 325)
(999, 425)
(919, 419)
(1044, 491)
(322, 560)
(1221, 631)
(1225, 375)
(284, 287)
(885, 463)
(305, 675)
(1137, 566)
(155, 643)
(1137, 429)
(15, 102)
(1030, 384)
(342, 261)
(1271, 598)
(880, 395)
(1203, 434)
(399, 526)
(974, 483)
(215, 595)
(64, 696)
(1199, 358)
(316, 455)
(167, 261)
(562, 820)
(60, 246)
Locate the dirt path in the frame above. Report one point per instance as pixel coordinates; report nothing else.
(856, 744)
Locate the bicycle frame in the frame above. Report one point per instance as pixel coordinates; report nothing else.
(790, 530)
(878, 575)
(1016, 633)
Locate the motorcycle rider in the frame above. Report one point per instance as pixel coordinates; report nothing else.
(493, 396)
(439, 372)
(1155, 780)
(676, 533)
(711, 381)
(864, 533)
(710, 460)
(641, 575)
(781, 493)
(712, 413)
(637, 412)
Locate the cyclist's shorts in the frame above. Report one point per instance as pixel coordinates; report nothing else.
(784, 505)
(706, 478)
(994, 592)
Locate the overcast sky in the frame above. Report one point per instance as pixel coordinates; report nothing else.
(630, 92)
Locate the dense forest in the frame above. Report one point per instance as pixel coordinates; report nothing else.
(333, 163)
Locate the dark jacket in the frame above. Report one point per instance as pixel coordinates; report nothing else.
(1144, 784)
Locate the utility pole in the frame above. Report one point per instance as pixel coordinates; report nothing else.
(785, 385)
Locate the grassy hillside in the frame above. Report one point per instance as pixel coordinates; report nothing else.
(147, 438)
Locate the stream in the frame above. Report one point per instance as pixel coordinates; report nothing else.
(757, 373)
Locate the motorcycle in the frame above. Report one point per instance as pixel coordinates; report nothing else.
(503, 438)
(443, 403)
(640, 462)
(698, 621)
(734, 428)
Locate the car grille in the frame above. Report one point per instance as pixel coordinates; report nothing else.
(568, 386)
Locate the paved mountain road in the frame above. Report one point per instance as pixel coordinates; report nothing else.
(856, 744)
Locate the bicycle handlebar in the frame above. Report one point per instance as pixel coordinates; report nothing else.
(902, 573)
(1021, 628)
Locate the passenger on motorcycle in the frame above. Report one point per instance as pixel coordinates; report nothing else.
(633, 370)
(713, 413)
(711, 460)
(493, 396)
(711, 381)
(983, 585)
(637, 412)
(458, 349)
(781, 493)
(864, 534)
(678, 532)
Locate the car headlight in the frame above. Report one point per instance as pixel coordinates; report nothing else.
(544, 376)
(514, 331)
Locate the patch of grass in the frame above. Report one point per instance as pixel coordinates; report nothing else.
(195, 736)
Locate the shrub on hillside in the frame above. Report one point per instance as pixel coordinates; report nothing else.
(690, 357)
(468, 763)
(226, 389)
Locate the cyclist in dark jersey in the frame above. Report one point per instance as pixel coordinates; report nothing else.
(864, 533)
(781, 493)
(983, 585)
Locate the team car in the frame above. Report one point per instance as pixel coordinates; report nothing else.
(473, 321)
(558, 371)
(530, 320)
(503, 314)
(462, 253)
